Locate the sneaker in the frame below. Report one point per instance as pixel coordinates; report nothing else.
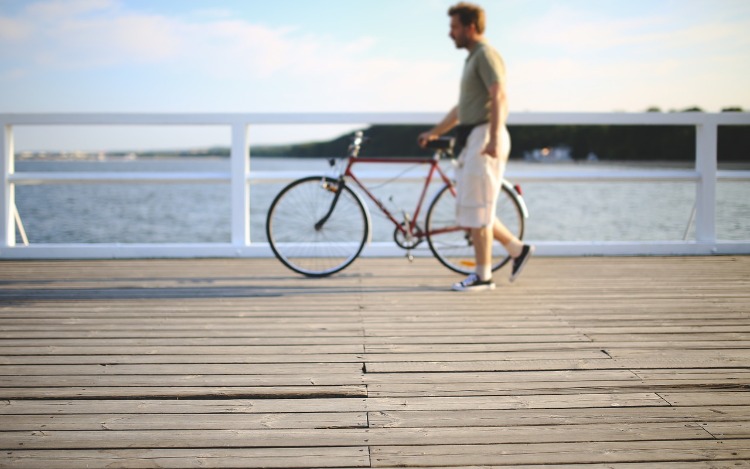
(520, 262)
(472, 283)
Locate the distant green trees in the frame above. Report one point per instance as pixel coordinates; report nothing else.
(608, 142)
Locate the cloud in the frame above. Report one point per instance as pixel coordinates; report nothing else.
(13, 74)
(54, 9)
(593, 59)
(12, 30)
(571, 30)
(85, 34)
(562, 58)
(217, 49)
(602, 30)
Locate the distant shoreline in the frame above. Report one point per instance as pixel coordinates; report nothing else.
(604, 143)
(643, 163)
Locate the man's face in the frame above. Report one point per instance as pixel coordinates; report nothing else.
(458, 33)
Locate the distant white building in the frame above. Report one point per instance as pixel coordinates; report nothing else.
(556, 154)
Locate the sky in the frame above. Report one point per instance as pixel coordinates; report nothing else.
(173, 56)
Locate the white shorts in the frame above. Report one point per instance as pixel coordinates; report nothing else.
(479, 178)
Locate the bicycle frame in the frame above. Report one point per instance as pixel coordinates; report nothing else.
(409, 226)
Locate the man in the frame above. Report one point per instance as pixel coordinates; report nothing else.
(480, 115)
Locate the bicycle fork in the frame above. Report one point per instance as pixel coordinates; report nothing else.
(336, 194)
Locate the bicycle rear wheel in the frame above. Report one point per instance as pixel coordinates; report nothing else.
(452, 245)
(323, 250)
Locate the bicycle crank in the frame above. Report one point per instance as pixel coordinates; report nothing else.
(406, 240)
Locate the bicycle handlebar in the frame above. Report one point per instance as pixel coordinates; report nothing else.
(444, 145)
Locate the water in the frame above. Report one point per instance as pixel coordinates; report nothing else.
(197, 213)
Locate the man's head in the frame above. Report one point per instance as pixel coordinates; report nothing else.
(467, 24)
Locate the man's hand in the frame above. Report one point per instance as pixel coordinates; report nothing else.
(426, 137)
(492, 149)
(449, 121)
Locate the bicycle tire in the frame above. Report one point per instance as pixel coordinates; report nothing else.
(293, 237)
(452, 245)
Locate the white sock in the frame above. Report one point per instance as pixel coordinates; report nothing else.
(514, 248)
(484, 272)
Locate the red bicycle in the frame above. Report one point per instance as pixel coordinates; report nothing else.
(318, 225)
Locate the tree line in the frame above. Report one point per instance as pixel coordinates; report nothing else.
(608, 142)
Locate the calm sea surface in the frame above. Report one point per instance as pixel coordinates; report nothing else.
(176, 212)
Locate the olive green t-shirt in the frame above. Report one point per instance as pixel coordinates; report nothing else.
(483, 68)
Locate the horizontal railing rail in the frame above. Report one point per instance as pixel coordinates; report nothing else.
(705, 175)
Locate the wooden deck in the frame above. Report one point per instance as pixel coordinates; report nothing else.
(584, 362)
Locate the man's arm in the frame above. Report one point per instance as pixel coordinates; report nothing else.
(449, 121)
(498, 114)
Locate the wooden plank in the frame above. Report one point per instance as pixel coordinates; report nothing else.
(551, 365)
(106, 368)
(191, 458)
(574, 416)
(728, 430)
(724, 463)
(333, 379)
(560, 453)
(86, 347)
(501, 346)
(655, 336)
(671, 352)
(485, 356)
(694, 329)
(249, 329)
(707, 398)
(184, 392)
(291, 438)
(477, 333)
(238, 421)
(516, 402)
(247, 337)
(182, 359)
(450, 338)
(516, 377)
(738, 375)
(180, 406)
(522, 389)
(204, 345)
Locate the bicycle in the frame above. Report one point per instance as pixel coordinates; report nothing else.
(318, 225)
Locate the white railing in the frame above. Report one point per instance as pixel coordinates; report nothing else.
(705, 175)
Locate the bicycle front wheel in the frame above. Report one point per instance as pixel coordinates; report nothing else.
(452, 245)
(301, 236)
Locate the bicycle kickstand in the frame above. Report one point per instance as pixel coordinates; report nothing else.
(409, 255)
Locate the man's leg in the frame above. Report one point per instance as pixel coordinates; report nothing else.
(482, 240)
(512, 244)
(482, 278)
(519, 251)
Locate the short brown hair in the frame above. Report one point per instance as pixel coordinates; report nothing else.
(469, 14)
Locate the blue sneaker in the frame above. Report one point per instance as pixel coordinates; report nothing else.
(473, 283)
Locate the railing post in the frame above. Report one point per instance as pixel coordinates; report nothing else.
(706, 163)
(240, 167)
(7, 191)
